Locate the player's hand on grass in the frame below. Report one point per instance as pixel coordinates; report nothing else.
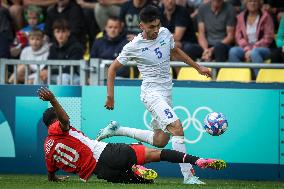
(204, 71)
(45, 94)
(109, 103)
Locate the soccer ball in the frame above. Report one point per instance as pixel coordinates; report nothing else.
(215, 123)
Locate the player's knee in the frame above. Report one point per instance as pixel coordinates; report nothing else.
(161, 139)
(178, 132)
(161, 142)
(176, 129)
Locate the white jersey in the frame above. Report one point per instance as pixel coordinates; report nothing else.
(152, 58)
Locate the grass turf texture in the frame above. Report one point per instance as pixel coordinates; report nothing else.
(40, 182)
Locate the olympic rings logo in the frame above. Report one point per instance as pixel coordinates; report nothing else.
(189, 120)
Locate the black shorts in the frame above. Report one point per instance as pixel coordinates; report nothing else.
(115, 160)
(115, 163)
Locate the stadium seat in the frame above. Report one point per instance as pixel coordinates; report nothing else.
(270, 75)
(188, 73)
(234, 74)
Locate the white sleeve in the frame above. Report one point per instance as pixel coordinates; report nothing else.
(125, 55)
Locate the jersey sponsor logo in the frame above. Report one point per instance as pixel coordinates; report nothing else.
(63, 157)
(190, 119)
(145, 49)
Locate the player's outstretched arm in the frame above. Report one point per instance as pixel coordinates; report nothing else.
(110, 84)
(179, 55)
(53, 178)
(46, 95)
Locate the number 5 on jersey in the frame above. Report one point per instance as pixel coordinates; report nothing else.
(158, 52)
(168, 113)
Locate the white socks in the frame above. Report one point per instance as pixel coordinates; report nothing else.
(178, 145)
(138, 134)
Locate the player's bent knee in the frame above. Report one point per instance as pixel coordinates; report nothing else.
(178, 132)
(175, 128)
(161, 139)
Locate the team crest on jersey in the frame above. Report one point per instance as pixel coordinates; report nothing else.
(162, 42)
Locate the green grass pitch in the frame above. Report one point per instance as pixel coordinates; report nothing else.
(40, 182)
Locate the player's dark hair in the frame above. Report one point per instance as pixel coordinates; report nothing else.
(149, 14)
(49, 116)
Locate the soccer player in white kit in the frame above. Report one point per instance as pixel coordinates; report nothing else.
(152, 50)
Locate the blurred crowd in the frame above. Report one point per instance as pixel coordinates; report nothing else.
(207, 30)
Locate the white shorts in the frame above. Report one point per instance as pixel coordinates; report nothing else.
(159, 104)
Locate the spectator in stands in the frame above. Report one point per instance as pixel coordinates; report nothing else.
(276, 10)
(6, 32)
(66, 47)
(44, 5)
(70, 11)
(176, 19)
(278, 54)
(16, 11)
(254, 34)
(38, 50)
(109, 46)
(216, 24)
(34, 18)
(129, 14)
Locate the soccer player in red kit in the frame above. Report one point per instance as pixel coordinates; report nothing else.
(70, 150)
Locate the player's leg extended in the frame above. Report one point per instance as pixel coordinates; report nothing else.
(157, 138)
(173, 156)
(114, 129)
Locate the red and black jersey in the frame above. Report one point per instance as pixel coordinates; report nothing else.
(71, 151)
